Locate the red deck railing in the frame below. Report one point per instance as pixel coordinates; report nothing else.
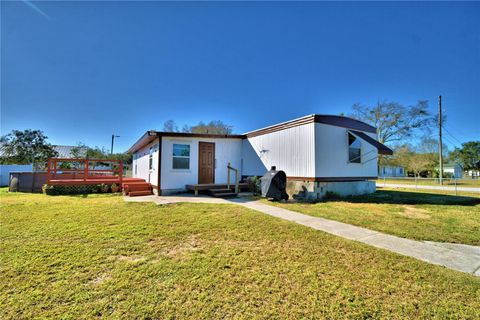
(83, 171)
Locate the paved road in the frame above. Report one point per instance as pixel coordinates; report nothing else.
(412, 186)
(464, 258)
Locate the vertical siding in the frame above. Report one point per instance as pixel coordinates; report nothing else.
(226, 150)
(291, 150)
(331, 154)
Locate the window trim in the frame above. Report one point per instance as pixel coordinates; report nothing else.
(183, 157)
(150, 159)
(359, 160)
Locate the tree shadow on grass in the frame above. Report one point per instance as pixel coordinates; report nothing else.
(405, 197)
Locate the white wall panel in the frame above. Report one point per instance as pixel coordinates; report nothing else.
(140, 160)
(291, 150)
(331, 154)
(226, 150)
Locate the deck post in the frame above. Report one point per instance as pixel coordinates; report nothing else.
(49, 163)
(236, 181)
(85, 170)
(121, 173)
(228, 175)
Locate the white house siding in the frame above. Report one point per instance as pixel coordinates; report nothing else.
(331, 154)
(226, 150)
(291, 150)
(140, 164)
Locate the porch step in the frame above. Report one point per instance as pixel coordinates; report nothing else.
(137, 188)
(140, 193)
(222, 193)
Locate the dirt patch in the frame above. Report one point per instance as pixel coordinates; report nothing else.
(414, 213)
(101, 279)
(180, 250)
(133, 259)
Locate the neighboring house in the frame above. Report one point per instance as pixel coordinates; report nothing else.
(391, 171)
(5, 170)
(66, 151)
(318, 153)
(452, 169)
(473, 173)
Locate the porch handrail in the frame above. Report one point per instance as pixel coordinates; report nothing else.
(52, 168)
(229, 167)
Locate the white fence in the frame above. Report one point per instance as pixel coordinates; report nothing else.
(5, 170)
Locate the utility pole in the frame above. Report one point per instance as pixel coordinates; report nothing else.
(113, 139)
(440, 145)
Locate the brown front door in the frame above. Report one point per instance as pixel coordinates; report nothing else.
(206, 162)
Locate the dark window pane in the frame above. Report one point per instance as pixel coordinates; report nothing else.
(354, 155)
(182, 150)
(181, 163)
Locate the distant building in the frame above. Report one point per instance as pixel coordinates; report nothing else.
(453, 170)
(66, 151)
(391, 171)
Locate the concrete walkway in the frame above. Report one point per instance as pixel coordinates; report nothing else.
(464, 258)
(412, 186)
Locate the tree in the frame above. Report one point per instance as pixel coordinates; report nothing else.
(213, 127)
(468, 155)
(405, 156)
(394, 122)
(79, 151)
(170, 126)
(24, 147)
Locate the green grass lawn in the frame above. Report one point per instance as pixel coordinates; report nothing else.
(74, 257)
(467, 182)
(421, 215)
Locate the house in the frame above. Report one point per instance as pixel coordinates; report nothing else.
(391, 171)
(319, 153)
(453, 170)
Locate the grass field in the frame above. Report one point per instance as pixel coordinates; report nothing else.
(431, 182)
(74, 257)
(421, 215)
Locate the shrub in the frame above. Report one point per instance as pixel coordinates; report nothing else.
(104, 188)
(254, 184)
(332, 195)
(114, 188)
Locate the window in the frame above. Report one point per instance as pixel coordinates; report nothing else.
(181, 156)
(150, 159)
(354, 149)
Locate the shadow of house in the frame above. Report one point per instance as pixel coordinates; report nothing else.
(402, 197)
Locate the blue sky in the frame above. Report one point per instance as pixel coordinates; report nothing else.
(81, 71)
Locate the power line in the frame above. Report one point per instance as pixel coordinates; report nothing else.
(451, 135)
